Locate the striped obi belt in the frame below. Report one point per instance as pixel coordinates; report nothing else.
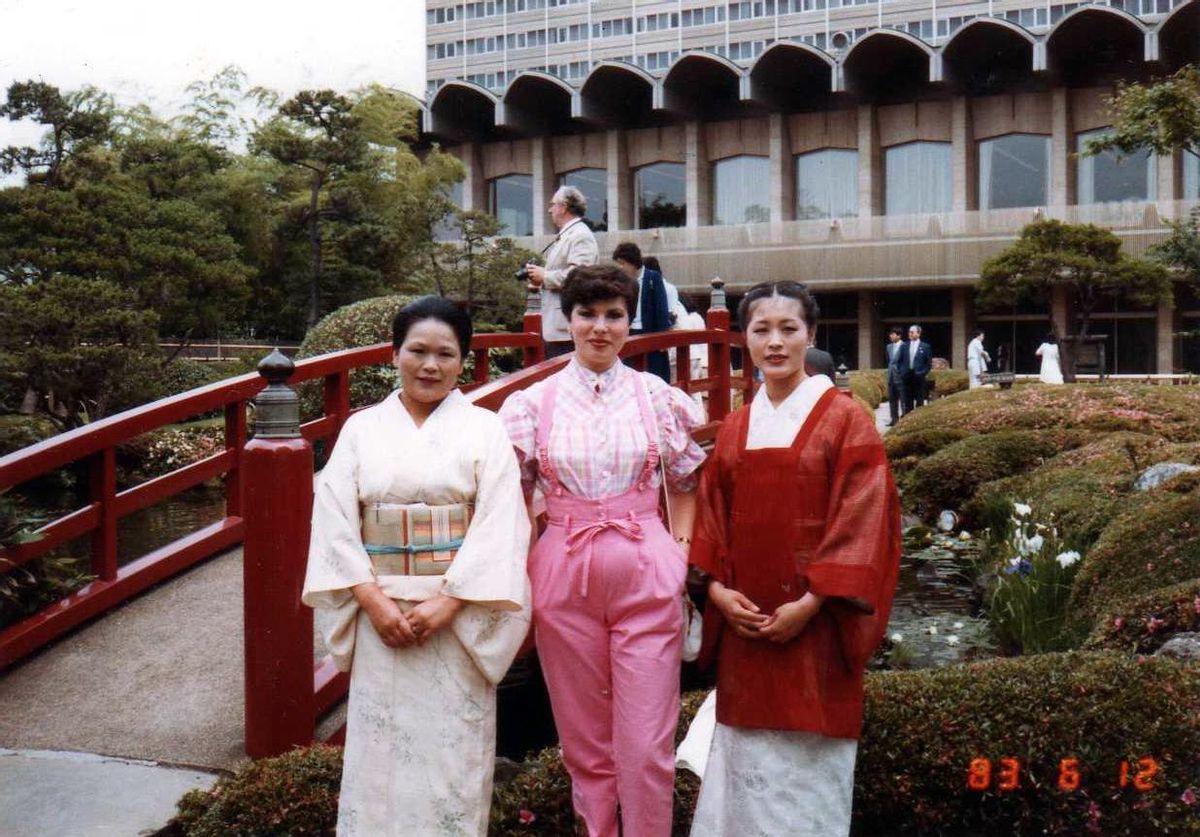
(413, 539)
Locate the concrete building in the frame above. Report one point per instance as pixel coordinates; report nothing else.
(879, 152)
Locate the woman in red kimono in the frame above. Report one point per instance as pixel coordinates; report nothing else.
(798, 527)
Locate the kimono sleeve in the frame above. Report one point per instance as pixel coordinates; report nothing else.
(677, 415)
(710, 533)
(857, 562)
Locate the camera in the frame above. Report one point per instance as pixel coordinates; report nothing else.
(522, 275)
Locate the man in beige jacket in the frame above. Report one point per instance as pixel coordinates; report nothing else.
(573, 246)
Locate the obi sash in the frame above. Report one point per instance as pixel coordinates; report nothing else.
(414, 538)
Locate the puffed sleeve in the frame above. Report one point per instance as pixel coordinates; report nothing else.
(519, 416)
(336, 558)
(677, 416)
(858, 559)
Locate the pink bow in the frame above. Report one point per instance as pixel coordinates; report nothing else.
(585, 535)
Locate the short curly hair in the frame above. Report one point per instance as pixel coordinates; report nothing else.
(589, 284)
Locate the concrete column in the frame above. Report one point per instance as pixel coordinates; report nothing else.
(782, 170)
(474, 185)
(620, 183)
(1164, 329)
(1059, 314)
(870, 164)
(959, 325)
(1062, 144)
(544, 184)
(963, 156)
(869, 352)
(1170, 176)
(698, 176)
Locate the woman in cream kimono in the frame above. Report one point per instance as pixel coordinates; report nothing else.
(427, 613)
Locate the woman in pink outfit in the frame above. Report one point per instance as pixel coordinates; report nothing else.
(607, 576)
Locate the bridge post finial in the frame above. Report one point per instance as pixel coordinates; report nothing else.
(277, 408)
(716, 297)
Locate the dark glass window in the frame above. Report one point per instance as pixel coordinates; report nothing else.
(1108, 177)
(661, 195)
(827, 184)
(510, 199)
(593, 183)
(917, 178)
(740, 190)
(1014, 170)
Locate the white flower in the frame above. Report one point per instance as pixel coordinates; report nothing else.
(952, 640)
(932, 629)
(958, 626)
(1066, 559)
(964, 536)
(897, 637)
(1012, 562)
(1021, 509)
(1034, 544)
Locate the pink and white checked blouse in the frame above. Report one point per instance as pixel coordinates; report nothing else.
(598, 444)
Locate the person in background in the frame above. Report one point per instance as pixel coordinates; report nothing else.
(798, 532)
(652, 263)
(655, 306)
(915, 360)
(1051, 371)
(977, 359)
(573, 246)
(895, 374)
(819, 362)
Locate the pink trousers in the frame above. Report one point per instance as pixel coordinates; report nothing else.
(607, 580)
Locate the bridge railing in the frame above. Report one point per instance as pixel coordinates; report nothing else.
(96, 444)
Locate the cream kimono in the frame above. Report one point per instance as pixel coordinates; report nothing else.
(420, 735)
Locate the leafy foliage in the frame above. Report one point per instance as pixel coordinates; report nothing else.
(1141, 623)
(1161, 116)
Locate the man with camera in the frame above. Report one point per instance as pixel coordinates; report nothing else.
(573, 246)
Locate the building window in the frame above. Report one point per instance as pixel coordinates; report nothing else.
(447, 229)
(661, 195)
(593, 183)
(1191, 176)
(827, 184)
(1014, 170)
(917, 178)
(510, 199)
(740, 189)
(1105, 178)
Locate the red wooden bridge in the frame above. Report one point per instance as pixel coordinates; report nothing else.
(268, 498)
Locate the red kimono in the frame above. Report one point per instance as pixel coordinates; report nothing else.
(774, 523)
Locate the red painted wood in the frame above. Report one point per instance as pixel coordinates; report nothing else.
(102, 474)
(718, 364)
(95, 598)
(317, 429)
(480, 373)
(329, 686)
(235, 440)
(168, 485)
(67, 528)
(535, 352)
(278, 628)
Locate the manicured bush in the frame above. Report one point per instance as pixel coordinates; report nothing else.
(906, 449)
(1081, 490)
(17, 431)
(183, 373)
(354, 326)
(924, 728)
(1154, 542)
(293, 794)
(168, 448)
(943, 382)
(870, 385)
(949, 478)
(1143, 622)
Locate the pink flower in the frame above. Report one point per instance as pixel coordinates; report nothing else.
(1196, 605)
(526, 816)
(1154, 623)
(1119, 623)
(1188, 797)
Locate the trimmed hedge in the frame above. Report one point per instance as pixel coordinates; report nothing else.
(870, 385)
(949, 478)
(1142, 623)
(945, 382)
(923, 729)
(1154, 542)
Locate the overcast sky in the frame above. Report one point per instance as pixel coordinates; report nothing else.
(150, 50)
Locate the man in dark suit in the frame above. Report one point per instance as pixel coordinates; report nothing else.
(819, 362)
(654, 307)
(915, 359)
(895, 377)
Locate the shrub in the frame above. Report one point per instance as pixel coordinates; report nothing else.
(923, 729)
(943, 382)
(168, 448)
(183, 373)
(949, 478)
(17, 431)
(354, 326)
(1081, 490)
(1143, 622)
(870, 385)
(1152, 543)
(907, 448)
(292, 794)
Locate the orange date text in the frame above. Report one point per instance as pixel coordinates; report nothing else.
(1007, 774)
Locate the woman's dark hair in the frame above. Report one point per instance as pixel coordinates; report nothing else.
(1052, 338)
(978, 332)
(433, 308)
(651, 263)
(627, 251)
(595, 283)
(792, 290)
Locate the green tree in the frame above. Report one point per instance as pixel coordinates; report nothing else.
(1181, 249)
(85, 346)
(1161, 116)
(1084, 259)
(75, 121)
(479, 271)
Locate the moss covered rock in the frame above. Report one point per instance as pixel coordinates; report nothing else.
(945, 382)
(949, 478)
(1142, 623)
(1153, 542)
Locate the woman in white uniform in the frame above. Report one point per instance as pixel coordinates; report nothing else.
(1051, 372)
(977, 360)
(419, 540)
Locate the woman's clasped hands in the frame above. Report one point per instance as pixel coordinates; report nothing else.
(749, 622)
(398, 629)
